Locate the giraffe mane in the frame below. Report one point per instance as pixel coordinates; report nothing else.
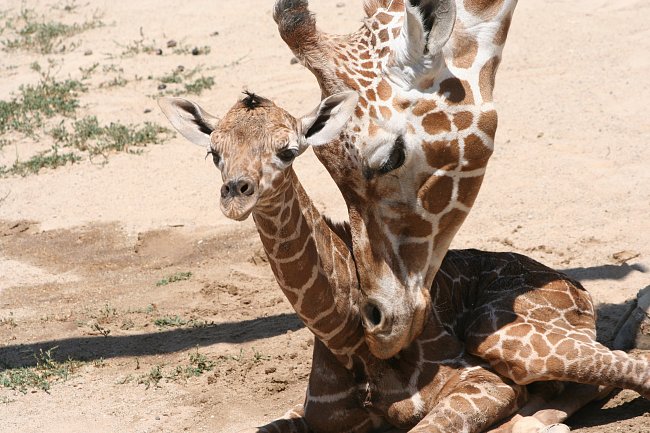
(341, 229)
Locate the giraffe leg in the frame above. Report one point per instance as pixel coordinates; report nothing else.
(481, 398)
(570, 356)
(292, 422)
(543, 332)
(546, 410)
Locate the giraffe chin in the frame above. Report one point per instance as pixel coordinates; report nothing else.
(384, 347)
(235, 211)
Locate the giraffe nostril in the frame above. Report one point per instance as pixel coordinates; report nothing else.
(246, 187)
(225, 190)
(373, 315)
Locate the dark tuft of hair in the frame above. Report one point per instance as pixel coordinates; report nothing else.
(251, 101)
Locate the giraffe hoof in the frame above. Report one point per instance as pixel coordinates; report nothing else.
(556, 428)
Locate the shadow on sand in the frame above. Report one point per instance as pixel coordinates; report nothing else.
(604, 272)
(92, 348)
(595, 414)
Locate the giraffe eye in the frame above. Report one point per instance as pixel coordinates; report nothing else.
(396, 158)
(287, 155)
(215, 157)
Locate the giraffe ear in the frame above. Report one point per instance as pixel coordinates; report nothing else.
(427, 27)
(325, 123)
(189, 119)
(438, 19)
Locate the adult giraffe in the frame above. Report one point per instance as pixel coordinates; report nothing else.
(412, 159)
(410, 164)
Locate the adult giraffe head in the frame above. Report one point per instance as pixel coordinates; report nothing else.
(411, 161)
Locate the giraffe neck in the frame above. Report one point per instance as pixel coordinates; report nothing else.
(313, 266)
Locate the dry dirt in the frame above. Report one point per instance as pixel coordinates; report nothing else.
(82, 247)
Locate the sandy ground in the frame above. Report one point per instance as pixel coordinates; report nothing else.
(82, 247)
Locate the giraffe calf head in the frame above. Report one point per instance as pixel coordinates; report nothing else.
(256, 142)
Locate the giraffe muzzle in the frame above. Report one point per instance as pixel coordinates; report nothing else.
(238, 198)
(389, 330)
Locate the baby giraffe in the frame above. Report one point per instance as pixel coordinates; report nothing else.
(433, 385)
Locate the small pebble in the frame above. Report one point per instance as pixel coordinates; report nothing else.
(88, 53)
(147, 110)
(196, 51)
(294, 61)
(157, 418)
(162, 86)
(340, 5)
(180, 68)
(171, 43)
(159, 52)
(214, 34)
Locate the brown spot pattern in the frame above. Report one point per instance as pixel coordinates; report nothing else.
(384, 90)
(351, 84)
(488, 123)
(442, 153)
(449, 224)
(463, 120)
(486, 9)
(384, 18)
(502, 33)
(437, 122)
(540, 346)
(373, 129)
(385, 112)
(401, 104)
(468, 189)
(457, 91)
(486, 78)
(396, 6)
(363, 102)
(410, 225)
(423, 106)
(414, 255)
(436, 193)
(476, 151)
(465, 49)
